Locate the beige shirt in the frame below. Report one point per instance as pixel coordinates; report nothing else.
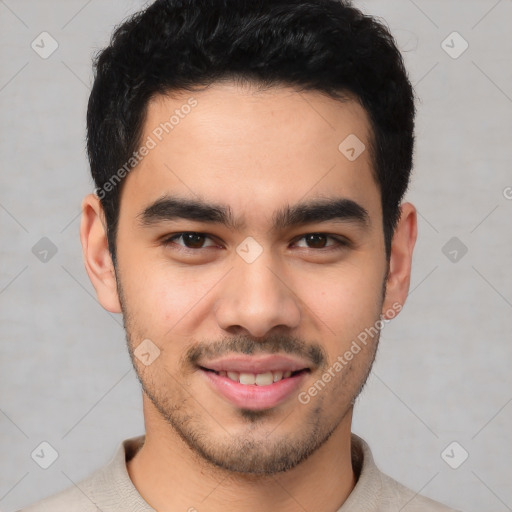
(110, 489)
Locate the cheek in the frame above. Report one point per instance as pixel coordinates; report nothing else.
(345, 300)
(162, 307)
(166, 300)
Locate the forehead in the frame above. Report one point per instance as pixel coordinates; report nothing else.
(252, 149)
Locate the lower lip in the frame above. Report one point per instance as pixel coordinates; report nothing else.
(250, 396)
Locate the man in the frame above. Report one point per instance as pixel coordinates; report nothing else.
(250, 159)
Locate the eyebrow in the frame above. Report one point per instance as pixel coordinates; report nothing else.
(170, 208)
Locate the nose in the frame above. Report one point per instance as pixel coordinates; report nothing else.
(256, 297)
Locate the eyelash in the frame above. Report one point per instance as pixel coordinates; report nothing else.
(341, 242)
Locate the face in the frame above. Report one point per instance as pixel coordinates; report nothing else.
(251, 260)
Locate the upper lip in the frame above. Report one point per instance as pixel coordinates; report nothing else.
(255, 364)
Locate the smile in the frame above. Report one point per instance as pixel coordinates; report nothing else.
(255, 382)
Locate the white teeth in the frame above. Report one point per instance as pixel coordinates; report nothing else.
(233, 376)
(247, 378)
(277, 376)
(264, 379)
(260, 379)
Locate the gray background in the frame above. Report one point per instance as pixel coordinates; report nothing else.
(443, 368)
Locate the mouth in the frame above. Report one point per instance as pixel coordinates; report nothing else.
(255, 383)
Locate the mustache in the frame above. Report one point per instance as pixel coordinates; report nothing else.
(271, 344)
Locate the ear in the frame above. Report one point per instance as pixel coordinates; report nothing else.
(97, 259)
(399, 275)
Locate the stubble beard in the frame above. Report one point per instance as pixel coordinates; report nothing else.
(259, 450)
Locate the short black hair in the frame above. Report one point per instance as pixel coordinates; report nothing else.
(184, 45)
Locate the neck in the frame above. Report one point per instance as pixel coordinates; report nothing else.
(170, 476)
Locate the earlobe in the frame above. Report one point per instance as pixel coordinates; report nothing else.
(97, 258)
(400, 262)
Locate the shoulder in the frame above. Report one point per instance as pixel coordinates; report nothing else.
(108, 489)
(76, 498)
(395, 494)
(376, 491)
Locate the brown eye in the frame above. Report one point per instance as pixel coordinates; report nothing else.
(193, 240)
(316, 240)
(190, 240)
(320, 241)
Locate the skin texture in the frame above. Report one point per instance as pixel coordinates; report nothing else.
(255, 152)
